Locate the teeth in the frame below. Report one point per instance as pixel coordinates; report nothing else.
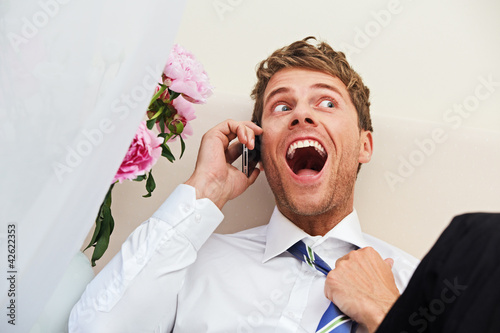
(303, 144)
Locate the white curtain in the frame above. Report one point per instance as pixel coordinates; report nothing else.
(75, 80)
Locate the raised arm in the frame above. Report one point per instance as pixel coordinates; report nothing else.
(137, 290)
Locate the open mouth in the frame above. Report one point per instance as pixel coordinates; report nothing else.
(306, 157)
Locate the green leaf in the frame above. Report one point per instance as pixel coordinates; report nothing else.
(150, 185)
(162, 124)
(150, 123)
(101, 215)
(97, 229)
(156, 105)
(167, 153)
(104, 227)
(111, 222)
(173, 95)
(103, 240)
(170, 111)
(183, 146)
(140, 178)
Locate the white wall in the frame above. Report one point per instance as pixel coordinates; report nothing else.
(427, 65)
(428, 57)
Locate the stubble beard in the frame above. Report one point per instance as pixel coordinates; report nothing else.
(340, 187)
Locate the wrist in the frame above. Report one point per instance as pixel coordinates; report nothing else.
(375, 318)
(374, 321)
(209, 189)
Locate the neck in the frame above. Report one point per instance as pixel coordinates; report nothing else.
(320, 224)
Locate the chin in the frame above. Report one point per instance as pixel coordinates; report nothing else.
(307, 205)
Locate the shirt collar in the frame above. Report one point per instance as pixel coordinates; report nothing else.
(282, 233)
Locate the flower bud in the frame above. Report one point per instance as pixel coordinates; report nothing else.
(176, 126)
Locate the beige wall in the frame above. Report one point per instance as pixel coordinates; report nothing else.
(456, 173)
(427, 64)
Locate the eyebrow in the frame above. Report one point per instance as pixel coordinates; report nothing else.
(276, 92)
(328, 87)
(316, 86)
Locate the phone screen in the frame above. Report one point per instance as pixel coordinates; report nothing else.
(250, 158)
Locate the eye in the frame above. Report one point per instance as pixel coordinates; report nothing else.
(327, 104)
(281, 108)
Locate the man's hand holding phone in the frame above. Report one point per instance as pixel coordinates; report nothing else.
(250, 158)
(214, 177)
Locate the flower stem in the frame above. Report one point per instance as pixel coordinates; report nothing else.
(157, 114)
(155, 96)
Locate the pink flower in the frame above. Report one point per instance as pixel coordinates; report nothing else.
(187, 76)
(185, 113)
(142, 154)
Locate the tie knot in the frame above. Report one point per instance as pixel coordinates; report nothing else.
(333, 320)
(304, 253)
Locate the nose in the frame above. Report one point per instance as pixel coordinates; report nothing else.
(303, 115)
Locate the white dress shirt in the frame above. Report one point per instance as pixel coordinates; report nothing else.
(174, 275)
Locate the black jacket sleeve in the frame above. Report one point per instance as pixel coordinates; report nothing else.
(456, 287)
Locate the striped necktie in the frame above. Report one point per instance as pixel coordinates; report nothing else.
(333, 320)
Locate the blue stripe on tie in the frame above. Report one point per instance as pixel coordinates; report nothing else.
(333, 320)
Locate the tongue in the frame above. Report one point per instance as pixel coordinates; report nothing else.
(305, 167)
(306, 172)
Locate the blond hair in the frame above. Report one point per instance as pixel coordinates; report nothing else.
(320, 57)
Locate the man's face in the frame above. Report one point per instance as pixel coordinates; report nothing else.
(311, 144)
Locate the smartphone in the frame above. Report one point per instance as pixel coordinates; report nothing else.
(250, 158)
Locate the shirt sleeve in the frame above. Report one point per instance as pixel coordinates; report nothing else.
(137, 290)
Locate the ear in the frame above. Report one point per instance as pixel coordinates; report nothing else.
(365, 146)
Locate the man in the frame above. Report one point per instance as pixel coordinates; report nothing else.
(173, 274)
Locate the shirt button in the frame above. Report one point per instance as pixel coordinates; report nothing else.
(197, 217)
(186, 208)
(103, 299)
